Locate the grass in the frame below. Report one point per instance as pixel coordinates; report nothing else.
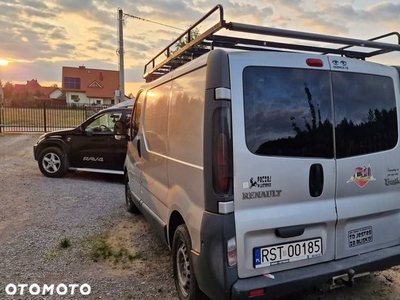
(65, 243)
(102, 250)
(58, 252)
(35, 117)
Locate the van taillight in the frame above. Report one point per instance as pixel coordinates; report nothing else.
(223, 163)
(222, 151)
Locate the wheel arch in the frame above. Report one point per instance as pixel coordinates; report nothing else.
(53, 143)
(126, 178)
(175, 220)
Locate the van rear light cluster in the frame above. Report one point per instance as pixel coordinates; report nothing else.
(232, 252)
(222, 151)
(223, 163)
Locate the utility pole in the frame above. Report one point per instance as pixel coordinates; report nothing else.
(120, 52)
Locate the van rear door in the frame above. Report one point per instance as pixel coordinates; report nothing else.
(368, 167)
(284, 170)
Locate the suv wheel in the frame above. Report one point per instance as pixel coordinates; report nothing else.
(185, 280)
(129, 205)
(52, 162)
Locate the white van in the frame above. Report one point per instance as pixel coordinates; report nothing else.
(268, 167)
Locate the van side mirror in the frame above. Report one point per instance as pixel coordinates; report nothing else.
(119, 130)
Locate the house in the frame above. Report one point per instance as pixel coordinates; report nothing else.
(32, 90)
(89, 86)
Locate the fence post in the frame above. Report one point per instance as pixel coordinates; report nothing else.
(1, 116)
(44, 116)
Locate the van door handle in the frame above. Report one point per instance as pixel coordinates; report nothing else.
(290, 231)
(316, 180)
(138, 148)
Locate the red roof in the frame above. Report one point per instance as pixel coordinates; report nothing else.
(95, 82)
(32, 86)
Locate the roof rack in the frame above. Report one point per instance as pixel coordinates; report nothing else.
(207, 41)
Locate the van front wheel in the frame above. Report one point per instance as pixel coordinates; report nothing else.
(129, 205)
(185, 279)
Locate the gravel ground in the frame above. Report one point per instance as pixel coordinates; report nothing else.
(87, 210)
(37, 213)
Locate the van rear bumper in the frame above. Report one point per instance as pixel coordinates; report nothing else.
(297, 279)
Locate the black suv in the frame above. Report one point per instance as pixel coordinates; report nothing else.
(89, 147)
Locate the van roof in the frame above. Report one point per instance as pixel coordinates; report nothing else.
(126, 103)
(207, 41)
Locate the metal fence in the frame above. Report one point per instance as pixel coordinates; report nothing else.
(44, 116)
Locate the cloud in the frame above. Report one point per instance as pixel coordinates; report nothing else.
(36, 4)
(319, 23)
(45, 32)
(384, 13)
(64, 47)
(255, 14)
(345, 15)
(58, 33)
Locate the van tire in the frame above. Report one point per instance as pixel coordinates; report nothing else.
(53, 162)
(129, 205)
(185, 279)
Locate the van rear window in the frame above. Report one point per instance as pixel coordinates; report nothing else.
(365, 113)
(288, 112)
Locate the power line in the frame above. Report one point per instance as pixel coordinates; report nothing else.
(158, 23)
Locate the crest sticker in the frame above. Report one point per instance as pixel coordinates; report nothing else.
(361, 176)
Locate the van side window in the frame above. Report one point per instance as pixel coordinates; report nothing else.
(156, 118)
(137, 112)
(365, 113)
(186, 121)
(288, 112)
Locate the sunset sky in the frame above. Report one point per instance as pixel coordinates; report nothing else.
(38, 37)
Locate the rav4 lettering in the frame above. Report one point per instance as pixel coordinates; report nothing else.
(100, 159)
(262, 194)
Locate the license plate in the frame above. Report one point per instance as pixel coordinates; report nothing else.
(286, 253)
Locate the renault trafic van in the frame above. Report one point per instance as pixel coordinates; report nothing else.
(265, 166)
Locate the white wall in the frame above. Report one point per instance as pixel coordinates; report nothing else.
(82, 98)
(55, 94)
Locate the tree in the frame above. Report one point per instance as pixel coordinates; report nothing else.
(8, 90)
(194, 33)
(191, 52)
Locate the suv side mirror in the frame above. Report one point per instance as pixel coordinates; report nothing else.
(119, 130)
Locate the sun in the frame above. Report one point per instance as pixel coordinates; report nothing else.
(3, 62)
